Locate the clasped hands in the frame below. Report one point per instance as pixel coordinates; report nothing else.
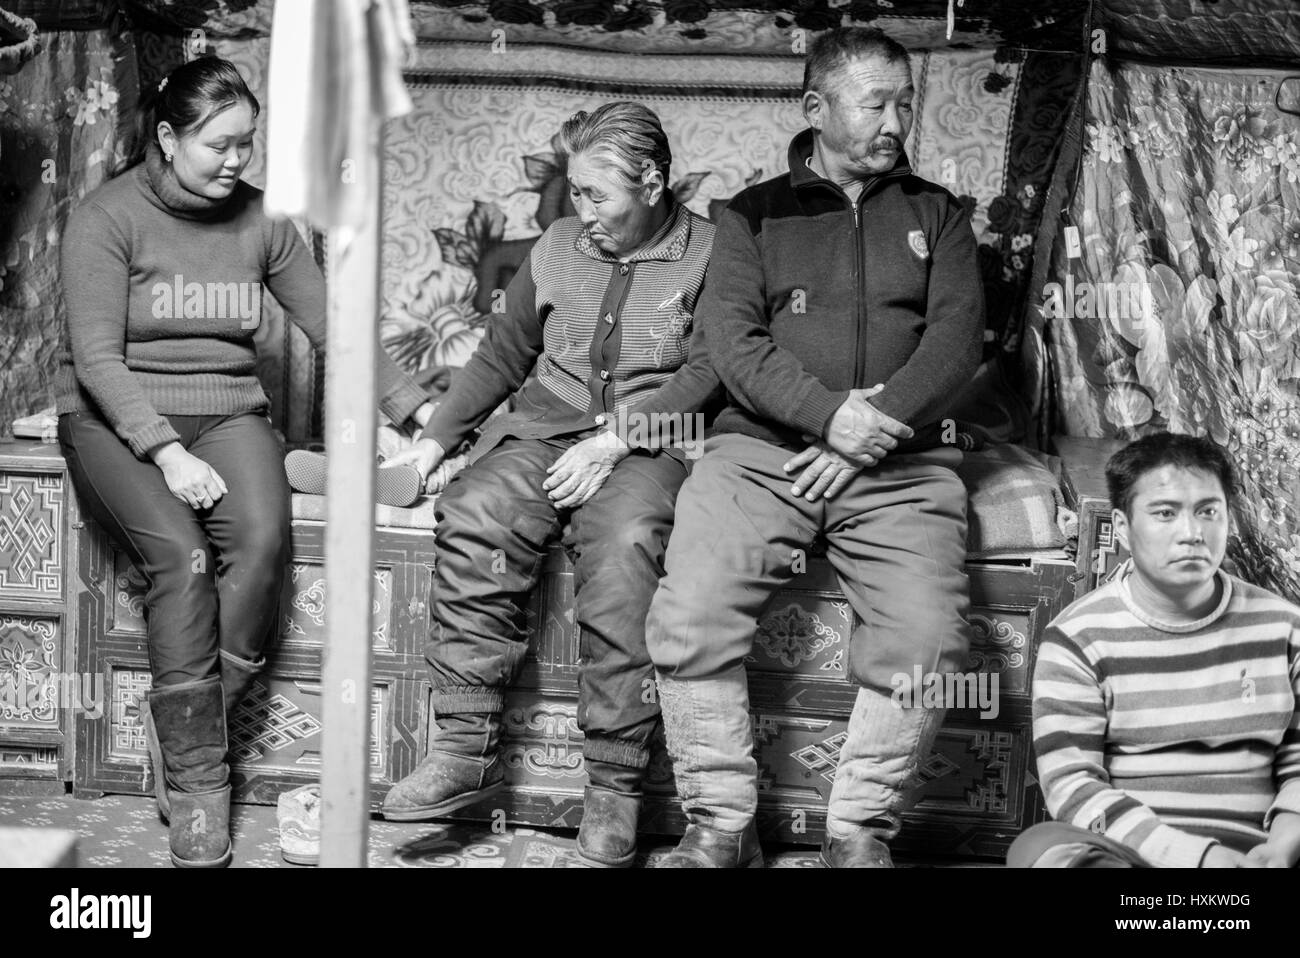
(859, 436)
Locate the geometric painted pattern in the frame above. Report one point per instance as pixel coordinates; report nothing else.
(268, 722)
(31, 548)
(36, 756)
(993, 749)
(128, 691)
(822, 757)
(1106, 552)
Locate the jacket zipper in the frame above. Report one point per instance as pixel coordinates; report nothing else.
(858, 358)
(859, 340)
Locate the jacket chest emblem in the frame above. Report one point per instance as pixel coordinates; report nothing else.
(679, 318)
(916, 240)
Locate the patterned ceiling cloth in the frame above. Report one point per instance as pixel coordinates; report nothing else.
(1182, 311)
(759, 26)
(1253, 33)
(755, 26)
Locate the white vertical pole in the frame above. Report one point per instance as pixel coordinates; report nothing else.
(350, 430)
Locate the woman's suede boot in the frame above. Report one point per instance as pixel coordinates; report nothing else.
(190, 723)
(463, 767)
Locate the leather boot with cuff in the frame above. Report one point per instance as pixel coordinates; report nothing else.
(190, 723)
(704, 847)
(463, 767)
(611, 805)
(857, 847)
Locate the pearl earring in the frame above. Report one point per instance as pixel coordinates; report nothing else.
(167, 157)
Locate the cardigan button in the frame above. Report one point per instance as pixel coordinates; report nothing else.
(623, 269)
(600, 420)
(609, 318)
(604, 374)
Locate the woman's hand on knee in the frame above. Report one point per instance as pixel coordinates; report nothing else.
(583, 468)
(190, 479)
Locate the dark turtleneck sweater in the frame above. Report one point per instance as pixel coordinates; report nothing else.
(163, 293)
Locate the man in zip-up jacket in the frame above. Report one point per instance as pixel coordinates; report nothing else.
(842, 307)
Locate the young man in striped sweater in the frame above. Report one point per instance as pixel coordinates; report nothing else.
(1166, 718)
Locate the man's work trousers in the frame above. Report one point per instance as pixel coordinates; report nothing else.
(896, 536)
(495, 524)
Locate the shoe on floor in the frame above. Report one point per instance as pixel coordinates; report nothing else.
(397, 486)
(703, 847)
(298, 814)
(443, 783)
(607, 836)
(859, 849)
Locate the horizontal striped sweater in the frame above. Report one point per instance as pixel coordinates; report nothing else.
(1170, 738)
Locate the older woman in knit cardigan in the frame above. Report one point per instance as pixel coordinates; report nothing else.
(593, 346)
(163, 422)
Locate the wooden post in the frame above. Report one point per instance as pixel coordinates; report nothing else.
(350, 430)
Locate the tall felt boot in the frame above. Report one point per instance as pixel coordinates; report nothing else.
(463, 767)
(711, 742)
(190, 723)
(611, 805)
(155, 760)
(237, 676)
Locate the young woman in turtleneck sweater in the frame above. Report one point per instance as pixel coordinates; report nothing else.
(163, 421)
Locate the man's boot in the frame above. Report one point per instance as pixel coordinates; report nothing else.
(611, 805)
(711, 743)
(704, 847)
(190, 723)
(463, 767)
(857, 847)
(876, 779)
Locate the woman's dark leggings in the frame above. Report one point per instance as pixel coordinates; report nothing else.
(215, 574)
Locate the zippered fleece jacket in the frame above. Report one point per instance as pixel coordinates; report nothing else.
(809, 295)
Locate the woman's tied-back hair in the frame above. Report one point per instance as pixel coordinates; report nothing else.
(836, 49)
(1149, 453)
(187, 98)
(627, 135)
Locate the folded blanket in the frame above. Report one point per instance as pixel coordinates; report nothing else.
(1016, 504)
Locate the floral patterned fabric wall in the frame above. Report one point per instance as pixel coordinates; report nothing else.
(1182, 309)
(59, 129)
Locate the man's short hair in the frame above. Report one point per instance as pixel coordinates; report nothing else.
(837, 48)
(1143, 455)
